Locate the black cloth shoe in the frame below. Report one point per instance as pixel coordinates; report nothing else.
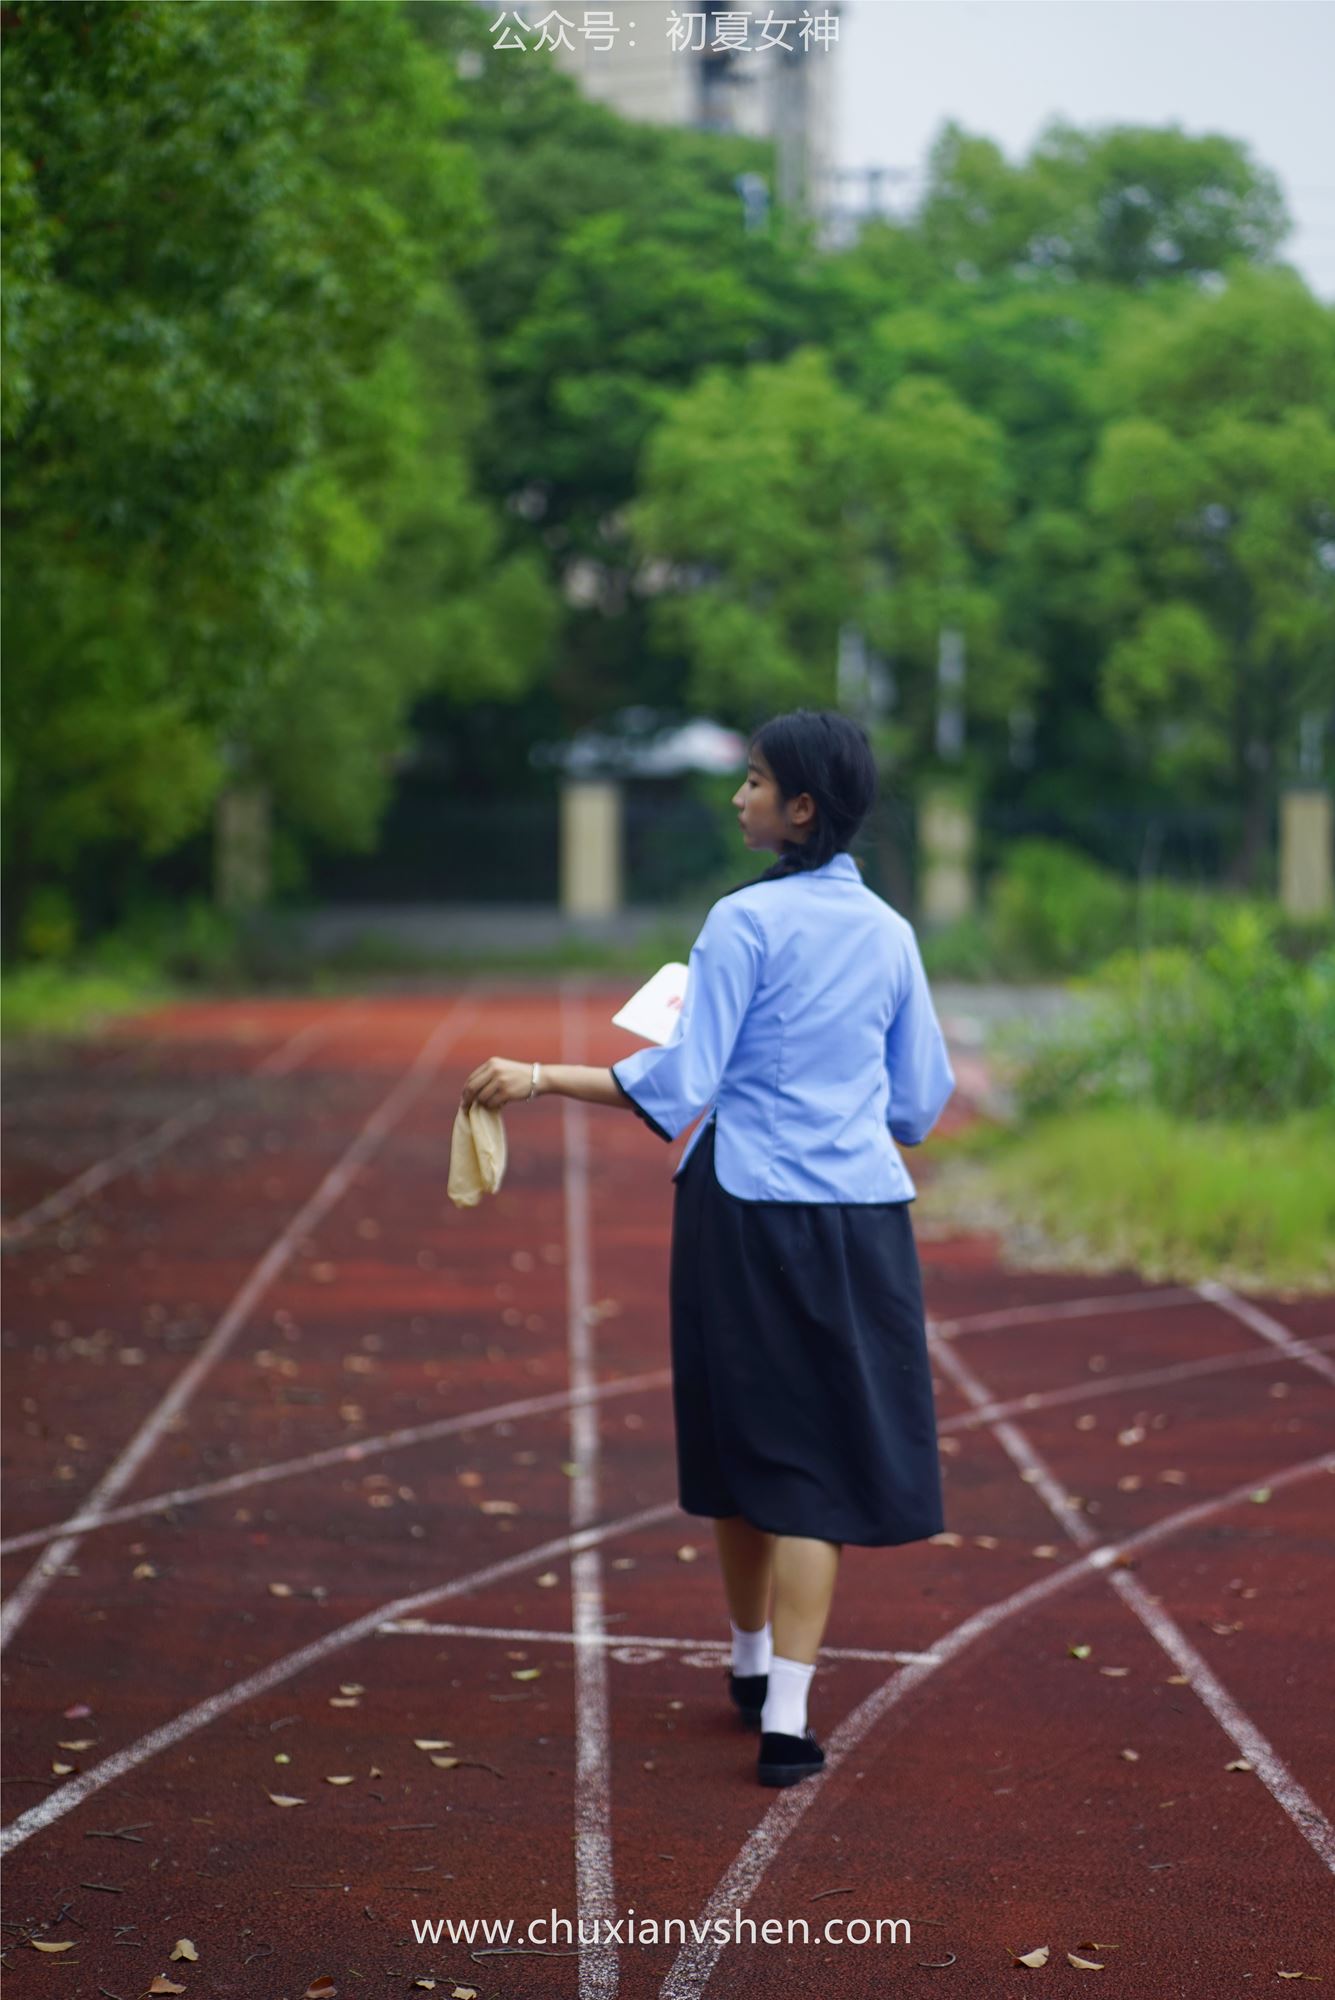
(749, 1691)
(785, 1759)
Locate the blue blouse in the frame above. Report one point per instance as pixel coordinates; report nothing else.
(808, 1028)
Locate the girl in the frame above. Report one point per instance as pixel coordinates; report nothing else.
(801, 1387)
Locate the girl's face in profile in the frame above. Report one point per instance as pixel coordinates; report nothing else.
(766, 818)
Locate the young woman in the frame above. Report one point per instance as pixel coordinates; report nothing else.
(801, 1387)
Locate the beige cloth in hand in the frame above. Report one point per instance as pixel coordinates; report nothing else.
(477, 1155)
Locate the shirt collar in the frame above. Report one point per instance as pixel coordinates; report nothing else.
(840, 864)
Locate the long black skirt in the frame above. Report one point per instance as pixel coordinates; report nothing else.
(801, 1385)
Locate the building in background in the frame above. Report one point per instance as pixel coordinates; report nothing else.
(720, 69)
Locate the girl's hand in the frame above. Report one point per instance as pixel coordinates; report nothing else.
(496, 1083)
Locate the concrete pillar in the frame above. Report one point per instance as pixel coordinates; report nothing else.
(242, 870)
(947, 835)
(591, 877)
(1306, 846)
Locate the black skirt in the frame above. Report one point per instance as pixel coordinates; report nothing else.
(801, 1385)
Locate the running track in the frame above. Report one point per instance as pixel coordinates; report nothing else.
(303, 1463)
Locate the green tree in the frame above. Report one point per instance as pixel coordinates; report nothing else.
(1214, 488)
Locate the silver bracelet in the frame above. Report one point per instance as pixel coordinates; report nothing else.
(533, 1087)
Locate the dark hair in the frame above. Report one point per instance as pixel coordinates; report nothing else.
(818, 751)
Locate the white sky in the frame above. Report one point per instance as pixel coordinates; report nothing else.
(1261, 71)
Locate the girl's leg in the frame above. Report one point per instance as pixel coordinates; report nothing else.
(805, 1572)
(746, 1557)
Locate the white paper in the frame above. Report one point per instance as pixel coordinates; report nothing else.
(654, 1011)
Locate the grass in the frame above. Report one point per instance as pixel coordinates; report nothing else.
(1128, 1186)
(57, 1000)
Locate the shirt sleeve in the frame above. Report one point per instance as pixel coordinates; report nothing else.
(921, 1079)
(671, 1084)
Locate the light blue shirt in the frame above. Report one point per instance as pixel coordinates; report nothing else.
(808, 1028)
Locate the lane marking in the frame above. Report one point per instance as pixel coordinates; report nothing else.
(282, 1060)
(58, 1803)
(341, 1454)
(978, 1625)
(693, 1965)
(1274, 1774)
(595, 1894)
(1060, 1309)
(421, 1628)
(1263, 1323)
(1149, 1378)
(659, 1378)
(377, 1128)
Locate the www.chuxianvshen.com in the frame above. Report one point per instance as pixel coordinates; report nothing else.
(630, 1930)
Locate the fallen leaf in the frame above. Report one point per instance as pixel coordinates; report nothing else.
(1261, 1495)
(430, 1984)
(1114, 1673)
(432, 1743)
(341, 1780)
(351, 1687)
(1085, 1964)
(985, 1542)
(1297, 1975)
(498, 1506)
(344, 1701)
(63, 1770)
(1087, 1946)
(1038, 1957)
(1238, 1764)
(463, 1993)
(547, 1579)
(947, 1539)
(280, 1590)
(688, 1554)
(281, 1799)
(445, 1763)
(322, 1988)
(1079, 1652)
(1132, 1756)
(184, 1949)
(525, 1673)
(80, 1708)
(1045, 1550)
(39, 1945)
(1177, 1681)
(162, 1984)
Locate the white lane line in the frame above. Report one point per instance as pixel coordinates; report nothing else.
(1149, 1378)
(693, 1965)
(595, 1895)
(1060, 1309)
(331, 1189)
(341, 1454)
(846, 1737)
(718, 1651)
(293, 1051)
(948, 1647)
(58, 1803)
(1274, 1774)
(1263, 1323)
(630, 1385)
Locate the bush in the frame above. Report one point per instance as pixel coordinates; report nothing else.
(1236, 1030)
(1052, 909)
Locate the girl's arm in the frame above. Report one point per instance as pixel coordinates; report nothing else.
(498, 1082)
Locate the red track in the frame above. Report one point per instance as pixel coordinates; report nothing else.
(256, 1270)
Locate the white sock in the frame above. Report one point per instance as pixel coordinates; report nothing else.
(751, 1650)
(785, 1707)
